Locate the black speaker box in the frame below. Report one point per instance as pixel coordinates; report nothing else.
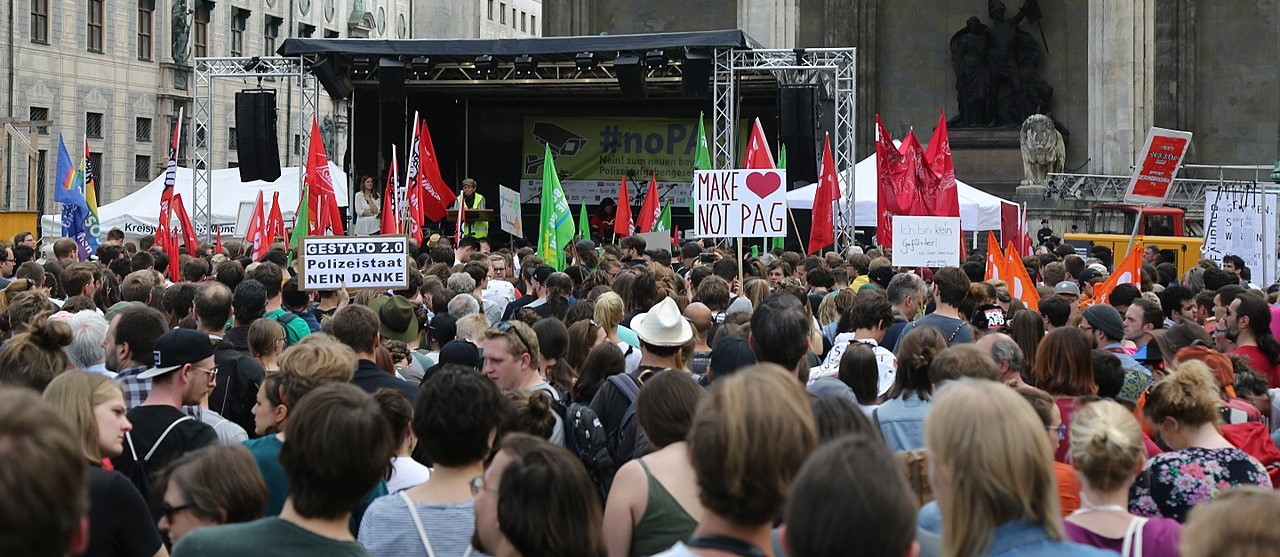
(391, 75)
(630, 70)
(256, 147)
(798, 129)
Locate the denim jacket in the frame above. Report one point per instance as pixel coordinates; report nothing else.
(901, 421)
(1020, 538)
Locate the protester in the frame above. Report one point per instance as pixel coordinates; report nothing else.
(357, 327)
(950, 286)
(33, 358)
(1240, 522)
(337, 451)
(654, 499)
(46, 501)
(272, 279)
(1051, 417)
(781, 331)
(901, 415)
(130, 346)
(1248, 318)
(239, 375)
(86, 351)
(266, 342)
(208, 487)
(511, 360)
(1064, 369)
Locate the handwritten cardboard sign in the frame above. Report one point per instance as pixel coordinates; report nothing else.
(1158, 166)
(926, 241)
(330, 262)
(740, 203)
(1242, 222)
(509, 204)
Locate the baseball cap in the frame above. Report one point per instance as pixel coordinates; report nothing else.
(177, 348)
(1067, 287)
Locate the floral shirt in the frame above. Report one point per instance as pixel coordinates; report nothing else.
(1176, 481)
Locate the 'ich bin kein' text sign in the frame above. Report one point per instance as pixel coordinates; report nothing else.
(330, 262)
(926, 241)
(740, 203)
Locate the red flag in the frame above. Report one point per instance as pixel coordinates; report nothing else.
(175, 260)
(916, 174)
(323, 221)
(895, 194)
(217, 237)
(389, 224)
(997, 265)
(256, 231)
(275, 221)
(622, 225)
(1129, 271)
(413, 190)
(650, 211)
(758, 153)
(320, 181)
(188, 230)
(941, 196)
(437, 196)
(1020, 284)
(822, 234)
(1010, 226)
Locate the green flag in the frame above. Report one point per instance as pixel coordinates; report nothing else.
(701, 159)
(777, 242)
(301, 221)
(556, 219)
(755, 251)
(584, 224)
(664, 219)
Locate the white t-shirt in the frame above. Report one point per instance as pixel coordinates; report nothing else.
(886, 362)
(406, 473)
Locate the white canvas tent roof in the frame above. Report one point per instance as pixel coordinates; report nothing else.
(137, 213)
(979, 210)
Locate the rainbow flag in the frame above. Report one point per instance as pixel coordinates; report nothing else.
(86, 176)
(69, 191)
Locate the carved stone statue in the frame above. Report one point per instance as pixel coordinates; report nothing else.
(1042, 150)
(329, 135)
(994, 65)
(181, 32)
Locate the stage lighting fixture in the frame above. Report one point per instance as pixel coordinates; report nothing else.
(526, 65)
(586, 61)
(485, 64)
(362, 63)
(655, 59)
(420, 66)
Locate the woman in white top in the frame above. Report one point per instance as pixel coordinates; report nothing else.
(368, 203)
(406, 472)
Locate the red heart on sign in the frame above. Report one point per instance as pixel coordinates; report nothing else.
(763, 184)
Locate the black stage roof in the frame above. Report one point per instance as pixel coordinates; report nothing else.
(731, 38)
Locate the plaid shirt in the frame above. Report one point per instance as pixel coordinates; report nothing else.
(135, 390)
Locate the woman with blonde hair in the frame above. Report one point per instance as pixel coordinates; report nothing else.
(991, 469)
(1201, 463)
(608, 313)
(266, 341)
(756, 290)
(1240, 523)
(119, 520)
(1107, 448)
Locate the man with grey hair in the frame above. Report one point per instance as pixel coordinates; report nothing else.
(461, 283)
(1008, 356)
(463, 304)
(907, 294)
(88, 330)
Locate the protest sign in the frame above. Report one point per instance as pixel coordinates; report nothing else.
(331, 262)
(926, 241)
(1242, 221)
(740, 203)
(1157, 166)
(509, 213)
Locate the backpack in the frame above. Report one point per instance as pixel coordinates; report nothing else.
(139, 472)
(628, 440)
(237, 389)
(284, 320)
(584, 436)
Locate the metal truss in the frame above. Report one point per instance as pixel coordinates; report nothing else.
(1186, 193)
(207, 71)
(833, 70)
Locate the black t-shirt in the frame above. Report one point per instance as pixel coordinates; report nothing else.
(515, 306)
(119, 521)
(149, 423)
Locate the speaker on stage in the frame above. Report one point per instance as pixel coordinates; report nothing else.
(695, 75)
(798, 128)
(630, 70)
(336, 81)
(391, 75)
(256, 149)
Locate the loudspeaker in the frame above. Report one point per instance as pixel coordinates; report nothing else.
(256, 135)
(797, 129)
(335, 80)
(630, 70)
(695, 75)
(391, 74)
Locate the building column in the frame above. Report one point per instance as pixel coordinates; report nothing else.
(1121, 82)
(770, 22)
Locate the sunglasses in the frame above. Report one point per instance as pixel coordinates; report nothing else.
(170, 510)
(506, 327)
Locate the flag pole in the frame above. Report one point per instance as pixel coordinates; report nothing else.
(797, 229)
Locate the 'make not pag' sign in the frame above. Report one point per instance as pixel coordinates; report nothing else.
(734, 203)
(331, 262)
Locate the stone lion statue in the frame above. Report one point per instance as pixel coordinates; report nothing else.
(1042, 150)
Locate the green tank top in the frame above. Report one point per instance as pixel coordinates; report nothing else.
(664, 522)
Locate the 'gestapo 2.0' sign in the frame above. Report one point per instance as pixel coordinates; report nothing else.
(733, 203)
(329, 262)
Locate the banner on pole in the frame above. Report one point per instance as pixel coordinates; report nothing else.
(1157, 166)
(331, 262)
(1242, 222)
(509, 203)
(925, 241)
(740, 203)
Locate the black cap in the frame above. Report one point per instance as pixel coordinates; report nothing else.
(177, 348)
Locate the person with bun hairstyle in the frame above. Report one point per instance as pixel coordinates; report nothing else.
(1106, 448)
(1201, 463)
(531, 413)
(33, 358)
(901, 416)
(1240, 523)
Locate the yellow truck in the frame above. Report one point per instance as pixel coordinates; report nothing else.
(1162, 227)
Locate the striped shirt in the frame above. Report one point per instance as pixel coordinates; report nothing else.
(388, 530)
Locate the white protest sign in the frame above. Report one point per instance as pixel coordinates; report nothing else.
(926, 241)
(740, 203)
(1157, 166)
(1242, 222)
(509, 211)
(331, 262)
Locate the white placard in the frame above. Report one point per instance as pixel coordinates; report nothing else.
(926, 241)
(740, 203)
(330, 262)
(1242, 222)
(509, 211)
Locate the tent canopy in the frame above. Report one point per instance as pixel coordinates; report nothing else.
(979, 210)
(138, 213)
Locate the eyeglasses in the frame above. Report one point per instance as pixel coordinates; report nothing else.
(505, 327)
(477, 485)
(213, 371)
(170, 510)
(1061, 431)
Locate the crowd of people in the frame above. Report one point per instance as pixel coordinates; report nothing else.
(641, 401)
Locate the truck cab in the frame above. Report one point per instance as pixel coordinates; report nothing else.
(1117, 218)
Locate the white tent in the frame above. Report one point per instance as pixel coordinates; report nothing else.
(137, 213)
(979, 210)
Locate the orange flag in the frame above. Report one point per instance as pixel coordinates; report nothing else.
(1020, 284)
(1129, 271)
(997, 265)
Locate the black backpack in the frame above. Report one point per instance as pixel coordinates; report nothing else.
(239, 378)
(284, 319)
(628, 440)
(584, 436)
